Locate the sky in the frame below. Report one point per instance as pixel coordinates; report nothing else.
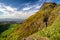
(21, 8)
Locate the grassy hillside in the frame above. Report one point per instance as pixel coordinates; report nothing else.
(36, 21)
(48, 33)
(8, 31)
(52, 32)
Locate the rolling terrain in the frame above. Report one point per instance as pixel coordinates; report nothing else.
(43, 25)
(50, 33)
(6, 30)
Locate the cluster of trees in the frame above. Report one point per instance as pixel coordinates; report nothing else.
(3, 27)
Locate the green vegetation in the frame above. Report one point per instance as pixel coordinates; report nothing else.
(7, 32)
(36, 24)
(3, 27)
(52, 32)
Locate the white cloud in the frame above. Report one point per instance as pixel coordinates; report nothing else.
(27, 8)
(33, 7)
(9, 12)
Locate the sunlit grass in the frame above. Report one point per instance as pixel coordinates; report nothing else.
(6, 33)
(51, 32)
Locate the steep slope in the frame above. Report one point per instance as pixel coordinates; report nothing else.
(36, 21)
(50, 33)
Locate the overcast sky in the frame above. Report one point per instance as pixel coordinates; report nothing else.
(21, 8)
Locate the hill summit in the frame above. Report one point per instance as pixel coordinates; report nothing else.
(45, 17)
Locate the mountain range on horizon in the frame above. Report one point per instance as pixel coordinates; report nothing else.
(11, 20)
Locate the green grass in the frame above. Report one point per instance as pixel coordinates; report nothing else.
(52, 32)
(6, 33)
(33, 23)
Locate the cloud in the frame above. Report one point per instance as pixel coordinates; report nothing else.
(10, 12)
(27, 8)
(32, 7)
(7, 11)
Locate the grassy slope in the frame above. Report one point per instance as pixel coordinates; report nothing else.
(48, 33)
(33, 23)
(7, 32)
(52, 32)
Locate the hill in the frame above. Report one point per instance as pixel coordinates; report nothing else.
(50, 33)
(45, 17)
(11, 20)
(6, 30)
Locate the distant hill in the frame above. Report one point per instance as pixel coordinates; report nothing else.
(49, 12)
(11, 20)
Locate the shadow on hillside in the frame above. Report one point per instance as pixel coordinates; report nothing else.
(4, 27)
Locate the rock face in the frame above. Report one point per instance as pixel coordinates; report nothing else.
(36, 21)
